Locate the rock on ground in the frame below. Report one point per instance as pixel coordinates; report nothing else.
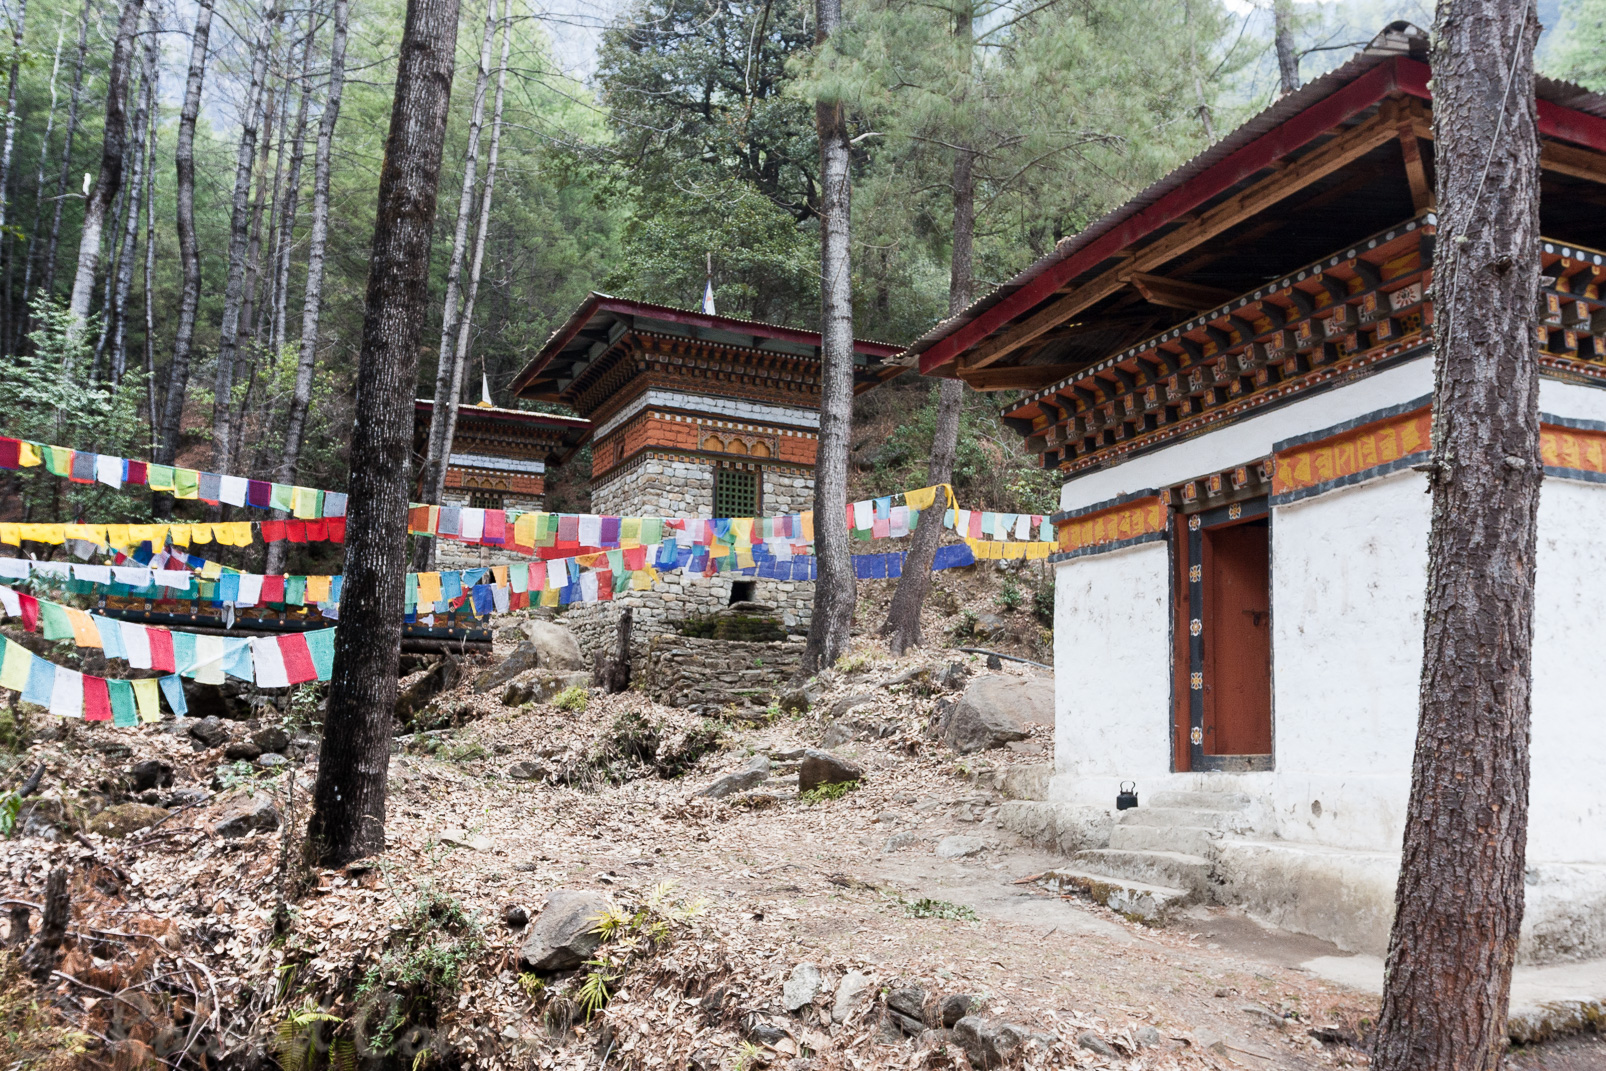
(210, 731)
(755, 773)
(242, 814)
(996, 709)
(540, 686)
(152, 773)
(823, 768)
(958, 847)
(125, 818)
(802, 987)
(848, 991)
(988, 1044)
(565, 933)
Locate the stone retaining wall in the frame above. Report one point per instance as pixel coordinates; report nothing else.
(710, 675)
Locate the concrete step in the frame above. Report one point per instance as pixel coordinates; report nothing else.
(1193, 840)
(1178, 870)
(1166, 817)
(1134, 899)
(1203, 801)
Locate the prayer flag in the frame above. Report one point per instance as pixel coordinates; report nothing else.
(297, 658)
(96, 699)
(269, 661)
(173, 692)
(145, 698)
(41, 681)
(67, 693)
(109, 470)
(14, 667)
(321, 647)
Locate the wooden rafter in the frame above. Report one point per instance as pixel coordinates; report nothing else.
(1176, 294)
(1340, 150)
(1021, 377)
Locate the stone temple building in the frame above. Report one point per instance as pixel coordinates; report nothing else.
(498, 460)
(693, 415)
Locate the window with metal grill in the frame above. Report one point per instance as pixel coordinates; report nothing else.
(484, 500)
(735, 493)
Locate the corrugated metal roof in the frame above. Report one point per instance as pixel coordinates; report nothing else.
(1396, 40)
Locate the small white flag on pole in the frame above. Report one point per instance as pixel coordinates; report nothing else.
(708, 289)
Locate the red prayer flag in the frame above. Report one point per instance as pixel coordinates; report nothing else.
(317, 531)
(337, 529)
(10, 453)
(975, 524)
(30, 611)
(272, 531)
(161, 642)
(298, 665)
(418, 520)
(97, 699)
(137, 473)
(272, 589)
(635, 558)
(495, 527)
(296, 531)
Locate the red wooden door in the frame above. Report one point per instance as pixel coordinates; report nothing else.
(1237, 631)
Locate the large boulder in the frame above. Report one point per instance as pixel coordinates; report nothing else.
(209, 732)
(541, 685)
(988, 1044)
(996, 709)
(546, 646)
(242, 814)
(151, 773)
(415, 692)
(565, 933)
(124, 818)
(755, 773)
(823, 768)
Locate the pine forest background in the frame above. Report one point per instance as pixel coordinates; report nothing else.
(692, 135)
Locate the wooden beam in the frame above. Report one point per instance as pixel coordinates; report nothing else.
(1557, 156)
(1176, 294)
(1342, 149)
(1023, 377)
(1416, 172)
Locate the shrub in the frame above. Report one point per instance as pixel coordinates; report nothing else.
(574, 698)
(821, 793)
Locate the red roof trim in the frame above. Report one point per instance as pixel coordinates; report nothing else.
(1555, 120)
(1309, 124)
(425, 405)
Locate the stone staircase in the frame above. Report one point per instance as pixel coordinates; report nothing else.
(1161, 856)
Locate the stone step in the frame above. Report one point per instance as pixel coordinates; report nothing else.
(1134, 899)
(1193, 840)
(1178, 870)
(1203, 801)
(1165, 817)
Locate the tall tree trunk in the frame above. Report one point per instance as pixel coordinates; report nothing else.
(1282, 17)
(114, 143)
(150, 274)
(39, 183)
(189, 253)
(239, 236)
(125, 266)
(348, 816)
(1459, 903)
(8, 330)
(902, 627)
(317, 242)
(835, 590)
(65, 185)
(292, 198)
(1203, 107)
(438, 444)
(482, 231)
(271, 121)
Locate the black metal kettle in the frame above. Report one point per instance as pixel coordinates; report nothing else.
(1127, 797)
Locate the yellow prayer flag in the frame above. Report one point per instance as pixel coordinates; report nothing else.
(145, 696)
(180, 534)
(429, 587)
(11, 534)
(234, 533)
(304, 503)
(14, 670)
(742, 530)
(549, 597)
(921, 498)
(154, 534)
(500, 573)
(94, 533)
(28, 455)
(524, 530)
(201, 533)
(212, 570)
(317, 589)
(744, 556)
(642, 579)
(808, 526)
(117, 535)
(43, 533)
(1014, 550)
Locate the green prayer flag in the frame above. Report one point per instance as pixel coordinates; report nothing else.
(321, 644)
(621, 581)
(411, 598)
(124, 713)
(53, 622)
(159, 477)
(58, 460)
(186, 483)
(652, 530)
(295, 590)
(283, 496)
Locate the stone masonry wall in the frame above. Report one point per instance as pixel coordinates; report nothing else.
(710, 675)
(686, 489)
(450, 554)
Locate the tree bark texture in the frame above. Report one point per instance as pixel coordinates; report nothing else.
(292, 200)
(41, 957)
(348, 819)
(317, 242)
(114, 144)
(189, 253)
(9, 143)
(438, 445)
(118, 325)
(239, 237)
(150, 271)
(1282, 17)
(835, 589)
(1459, 902)
(64, 187)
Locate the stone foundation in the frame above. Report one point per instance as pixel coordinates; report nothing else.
(710, 675)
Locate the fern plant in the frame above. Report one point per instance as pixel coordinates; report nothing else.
(295, 1041)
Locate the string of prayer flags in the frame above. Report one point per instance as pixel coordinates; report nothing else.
(68, 693)
(86, 466)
